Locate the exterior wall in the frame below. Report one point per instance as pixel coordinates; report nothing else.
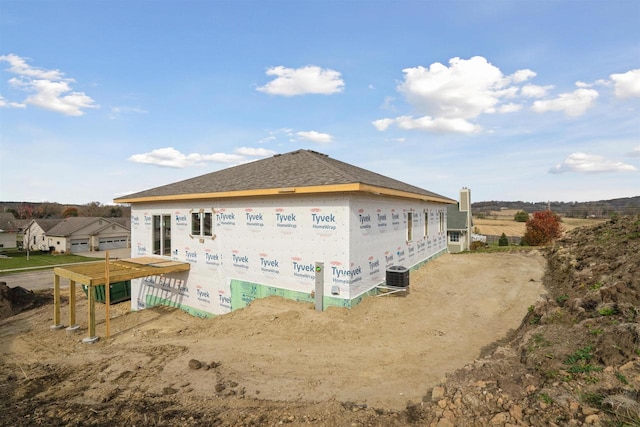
(269, 246)
(379, 238)
(8, 240)
(459, 246)
(36, 237)
(92, 234)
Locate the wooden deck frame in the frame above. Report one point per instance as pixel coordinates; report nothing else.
(103, 273)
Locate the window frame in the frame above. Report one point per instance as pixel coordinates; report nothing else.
(161, 235)
(204, 221)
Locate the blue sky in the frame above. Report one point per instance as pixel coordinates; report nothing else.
(517, 100)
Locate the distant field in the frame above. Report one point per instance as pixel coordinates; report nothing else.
(498, 222)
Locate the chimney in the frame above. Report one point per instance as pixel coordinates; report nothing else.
(465, 200)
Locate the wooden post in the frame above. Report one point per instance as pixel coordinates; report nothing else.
(56, 303)
(107, 293)
(73, 327)
(72, 302)
(91, 309)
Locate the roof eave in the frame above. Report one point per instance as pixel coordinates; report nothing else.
(317, 189)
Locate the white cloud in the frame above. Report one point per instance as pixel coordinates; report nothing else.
(573, 104)
(627, 85)
(49, 88)
(535, 91)
(4, 103)
(20, 67)
(170, 157)
(438, 124)
(462, 90)
(510, 108)
(447, 97)
(312, 135)
(522, 75)
(382, 124)
(300, 81)
(635, 152)
(254, 152)
(118, 111)
(590, 163)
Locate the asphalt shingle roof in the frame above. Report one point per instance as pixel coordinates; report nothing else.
(301, 168)
(456, 220)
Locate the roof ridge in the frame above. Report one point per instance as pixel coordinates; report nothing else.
(322, 158)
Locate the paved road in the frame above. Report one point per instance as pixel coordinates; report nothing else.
(33, 280)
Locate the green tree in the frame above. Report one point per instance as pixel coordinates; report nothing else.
(521, 216)
(504, 241)
(542, 228)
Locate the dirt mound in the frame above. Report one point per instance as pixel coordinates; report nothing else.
(15, 300)
(575, 360)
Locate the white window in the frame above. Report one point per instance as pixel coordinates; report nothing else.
(454, 236)
(162, 234)
(202, 224)
(441, 221)
(426, 223)
(409, 226)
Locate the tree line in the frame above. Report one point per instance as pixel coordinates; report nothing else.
(52, 210)
(596, 209)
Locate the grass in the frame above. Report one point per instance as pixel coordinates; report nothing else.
(579, 361)
(18, 260)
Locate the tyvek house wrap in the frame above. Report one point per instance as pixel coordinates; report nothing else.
(268, 246)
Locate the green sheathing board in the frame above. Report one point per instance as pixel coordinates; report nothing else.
(242, 293)
(153, 300)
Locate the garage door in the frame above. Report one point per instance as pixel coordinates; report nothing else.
(80, 245)
(112, 243)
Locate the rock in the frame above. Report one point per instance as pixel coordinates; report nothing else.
(195, 364)
(443, 422)
(516, 412)
(437, 393)
(499, 419)
(574, 406)
(587, 410)
(592, 420)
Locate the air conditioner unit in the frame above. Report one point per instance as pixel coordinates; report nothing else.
(398, 276)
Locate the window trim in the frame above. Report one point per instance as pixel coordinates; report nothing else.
(205, 222)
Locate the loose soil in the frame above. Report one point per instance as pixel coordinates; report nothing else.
(478, 340)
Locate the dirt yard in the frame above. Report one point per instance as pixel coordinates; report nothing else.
(274, 362)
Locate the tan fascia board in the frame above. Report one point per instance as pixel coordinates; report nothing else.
(404, 194)
(317, 189)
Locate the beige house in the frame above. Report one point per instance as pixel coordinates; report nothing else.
(8, 231)
(460, 223)
(78, 234)
(34, 236)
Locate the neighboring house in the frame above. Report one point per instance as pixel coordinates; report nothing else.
(34, 235)
(8, 231)
(257, 229)
(77, 234)
(85, 234)
(459, 223)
